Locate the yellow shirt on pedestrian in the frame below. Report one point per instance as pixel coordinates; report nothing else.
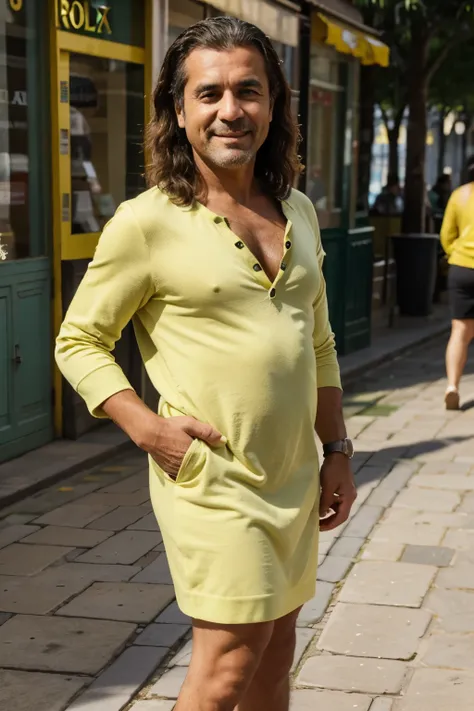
(222, 344)
(457, 232)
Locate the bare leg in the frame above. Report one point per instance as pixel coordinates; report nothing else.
(462, 333)
(270, 688)
(223, 663)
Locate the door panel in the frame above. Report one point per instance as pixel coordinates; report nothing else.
(25, 356)
(6, 410)
(31, 306)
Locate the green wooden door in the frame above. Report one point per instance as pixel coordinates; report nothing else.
(25, 356)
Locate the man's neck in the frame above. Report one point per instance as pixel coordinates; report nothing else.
(237, 186)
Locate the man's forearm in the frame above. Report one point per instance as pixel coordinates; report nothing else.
(330, 418)
(132, 415)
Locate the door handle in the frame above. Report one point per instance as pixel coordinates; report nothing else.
(17, 355)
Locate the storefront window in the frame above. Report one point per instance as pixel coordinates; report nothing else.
(107, 118)
(326, 137)
(14, 135)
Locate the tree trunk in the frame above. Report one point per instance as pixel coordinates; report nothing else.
(441, 142)
(393, 152)
(366, 134)
(415, 188)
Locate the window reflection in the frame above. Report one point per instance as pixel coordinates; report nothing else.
(14, 214)
(106, 122)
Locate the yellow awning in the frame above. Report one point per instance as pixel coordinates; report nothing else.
(349, 40)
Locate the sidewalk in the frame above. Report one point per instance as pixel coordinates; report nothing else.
(87, 618)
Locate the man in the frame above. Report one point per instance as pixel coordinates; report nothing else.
(220, 268)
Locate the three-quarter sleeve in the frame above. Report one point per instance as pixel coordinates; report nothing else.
(328, 372)
(449, 229)
(117, 284)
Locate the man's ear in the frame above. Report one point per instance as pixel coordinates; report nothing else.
(180, 115)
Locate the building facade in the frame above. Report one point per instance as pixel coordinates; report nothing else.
(75, 84)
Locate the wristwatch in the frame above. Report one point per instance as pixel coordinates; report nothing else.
(343, 446)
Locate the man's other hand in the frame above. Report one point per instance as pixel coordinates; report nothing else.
(338, 491)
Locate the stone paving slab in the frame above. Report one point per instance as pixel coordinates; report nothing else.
(157, 572)
(428, 555)
(169, 685)
(460, 576)
(12, 534)
(363, 522)
(314, 609)
(183, 657)
(125, 548)
(374, 631)
(353, 674)
(304, 637)
(147, 523)
(173, 615)
(61, 645)
(381, 550)
(118, 519)
(448, 483)
(383, 583)
(20, 559)
(16, 597)
(74, 515)
(121, 681)
(76, 537)
(31, 691)
(453, 651)
(454, 609)
(382, 704)
(427, 499)
(438, 690)
(334, 569)
(460, 540)
(416, 534)
(130, 602)
(312, 700)
(442, 520)
(346, 547)
(161, 635)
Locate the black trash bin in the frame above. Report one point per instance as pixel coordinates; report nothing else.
(416, 257)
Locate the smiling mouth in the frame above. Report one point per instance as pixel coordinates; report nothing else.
(240, 134)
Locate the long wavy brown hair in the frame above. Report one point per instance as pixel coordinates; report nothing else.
(172, 166)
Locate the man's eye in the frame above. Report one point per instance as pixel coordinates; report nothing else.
(209, 95)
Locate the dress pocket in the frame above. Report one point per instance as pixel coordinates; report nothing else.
(188, 468)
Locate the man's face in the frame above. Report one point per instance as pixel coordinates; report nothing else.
(227, 106)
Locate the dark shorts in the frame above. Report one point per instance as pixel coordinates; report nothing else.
(461, 292)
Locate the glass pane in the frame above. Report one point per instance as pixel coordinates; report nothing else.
(14, 214)
(107, 121)
(321, 137)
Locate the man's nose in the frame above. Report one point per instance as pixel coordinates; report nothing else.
(230, 108)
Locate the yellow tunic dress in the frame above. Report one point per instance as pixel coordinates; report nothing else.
(224, 345)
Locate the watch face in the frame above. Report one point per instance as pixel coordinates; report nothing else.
(349, 448)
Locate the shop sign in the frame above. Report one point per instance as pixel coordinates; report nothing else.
(80, 15)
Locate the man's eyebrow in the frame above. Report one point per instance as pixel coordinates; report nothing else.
(244, 84)
(202, 88)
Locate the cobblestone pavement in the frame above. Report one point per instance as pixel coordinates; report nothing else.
(87, 618)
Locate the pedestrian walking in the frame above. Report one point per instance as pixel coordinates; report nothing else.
(219, 264)
(457, 238)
